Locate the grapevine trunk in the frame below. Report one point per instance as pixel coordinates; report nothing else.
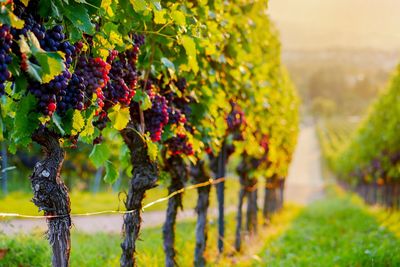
(144, 177)
(221, 198)
(51, 196)
(238, 238)
(251, 213)
(199, 174)
(179, 174)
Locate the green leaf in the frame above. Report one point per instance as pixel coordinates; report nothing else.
(156, 4)
(20, 84)
(139, 5)
(79, 17)
(57, 122)
(99, 155)
(167, 63)
(112, 32)
(111, 173)
(143, 99)
(26, 121)
(119, 117)
(51, 64)
(178, 17)
(34, 72)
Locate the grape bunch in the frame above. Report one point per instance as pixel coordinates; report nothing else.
(5, 57)
(175, 116)
(264, 143)
(179, 144)
(94, 73)
(181, 84)
(51, 93)
(156, 117)
(235, 118)
(123, 77)
(53, 41)
(73, 96)
(50, 40)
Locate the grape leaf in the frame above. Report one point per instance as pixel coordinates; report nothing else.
(178, 17)
(143, 99)
(139, 5)
(152, 149)
(89, 129)
(78, 122)
(159, 16)
(99, 155)
(57, 122)
(190, 48)
(25, 122)
(8, 17)
(111, 173)
(50, 63)
(25, 2)
(156, 4)
(167, 63)
(79, 17)
(119, 117)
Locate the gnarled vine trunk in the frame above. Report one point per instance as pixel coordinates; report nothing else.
(281, 189)
(51, 196)
(144, 177)
(199, 175)
(270, 199)
(245, 191)
(251, 218)
(179, 175)
(218, 167)
(221, 198)
(239, 220)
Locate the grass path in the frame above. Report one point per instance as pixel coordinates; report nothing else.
(337, 231)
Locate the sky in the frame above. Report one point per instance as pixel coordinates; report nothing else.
(322, 24)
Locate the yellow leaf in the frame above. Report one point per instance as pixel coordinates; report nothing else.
(159, 16)
(89, 129)
(178, 17)
(152, 149)
(119, 117)
(78, 122)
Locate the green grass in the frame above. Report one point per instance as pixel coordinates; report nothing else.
(337, 231)
(82, 202)
(104, 249)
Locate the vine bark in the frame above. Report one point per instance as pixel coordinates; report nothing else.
(179, 175)
(144, 177)
(51, 196)
(200, 175)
